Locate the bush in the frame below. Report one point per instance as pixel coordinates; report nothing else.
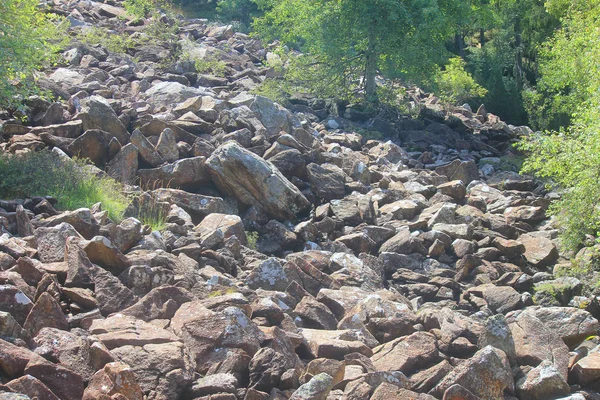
(210, 65)
(112, 41)
(72, 182)
(570, 158)
(29, 39)
(144, 8)
(457, 86)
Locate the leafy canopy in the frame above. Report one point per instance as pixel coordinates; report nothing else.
(395, 38)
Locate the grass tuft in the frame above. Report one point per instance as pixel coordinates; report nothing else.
(72, 182)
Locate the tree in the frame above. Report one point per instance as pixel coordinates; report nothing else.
(28, 39)
(392, 37)
(570, 83)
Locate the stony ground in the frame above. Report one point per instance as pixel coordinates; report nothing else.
(372, 272)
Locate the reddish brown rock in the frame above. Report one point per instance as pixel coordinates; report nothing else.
(45, 313)
(113, 381)
(31, 387)
(66, 384)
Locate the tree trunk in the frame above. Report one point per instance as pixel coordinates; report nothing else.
(518, 54)
(371, 71)
(482, 37)
(460, 45)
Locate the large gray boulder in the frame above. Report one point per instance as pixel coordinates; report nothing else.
(96, 113)
(254, 181)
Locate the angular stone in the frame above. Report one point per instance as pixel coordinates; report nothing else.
(502, 299)
(542, 382)
(64, 383)
(335, 344)
(46, 312)
(51, 241)
(93, 144)
(81, 219)
(115, 379)
(534, 342)
(102, 252)
(167, 146)
(124, 166)
(15, 302)
(14, 359)
(573, 325)
(407, 354)
(254, 181)
(487, 375)
(587, 370)
(98, 114)
(111, 294)
(160, 303)
(197, 205)
(466, 171)
(189, 173)
(317, 388)
(206, 332)
(274, 117)
(539, 251)
(326, 181)
(146, 149)
(216, 228)
(162, 370)
(315, 315)
(31, 387)
(121, 330)
(75, 350)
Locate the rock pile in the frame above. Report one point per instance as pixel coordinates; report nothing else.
(371, 272)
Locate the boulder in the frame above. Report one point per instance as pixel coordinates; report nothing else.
(115, 379)
(317, 388)
(189, 174)
(254, 181)
(487, 375)
(96, 113)
(543, 382)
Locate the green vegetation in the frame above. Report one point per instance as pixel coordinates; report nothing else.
(251, 238)
(210, 65)
(457, 86)
(72, 182)
(151, 212)
(352, 38)
(112, 41)
(570, 157)
(143, 8)
(29, 39)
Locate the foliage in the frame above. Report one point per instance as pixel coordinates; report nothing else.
(457, 86)
(571, 157)
(251, 238)
(305, 73)
(71, 182)
(398, 39)
(114, 42)
(210, 64)
(238, 10)
(494, 68)
(144, 8)
(29, 39)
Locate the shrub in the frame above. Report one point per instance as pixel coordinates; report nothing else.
(144, 8)
(210, 65)
(112, 41)
(73, 183)
(457, 86)
(29, 39)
